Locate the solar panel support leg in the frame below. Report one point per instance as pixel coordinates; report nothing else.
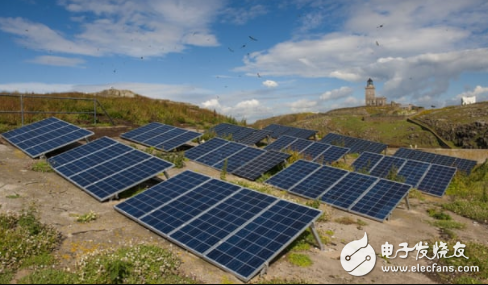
(264, 270)
(408, 202)
(166, 175)
(316, 236)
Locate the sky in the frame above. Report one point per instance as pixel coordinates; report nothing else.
(249, 59)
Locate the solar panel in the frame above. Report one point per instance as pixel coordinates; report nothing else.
(332, 154)
(160, 136)
(381, 200)
(305, 134)
(279, 131)
(464, 165)
(281, 143)
(444, 160)
(413, 172)
(109, 170)
(366, 162)
(162, 193)
(403, 153)
(261, 164)
(201, 150)
(422, 156)
(376, 147)
(243, 133)
(437, 179)
(45, 136)
(350, 188)
(330, 137)
(221, 153)
(318, 182)
(298, 171)
(300, 145)
(272, 127)
(220, 128)
(255, 137)
(239, 159)
(236, 229)
(356, 145)
(315, 150)
(386, 165)
(230, 131)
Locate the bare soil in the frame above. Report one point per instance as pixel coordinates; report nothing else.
(59, 201)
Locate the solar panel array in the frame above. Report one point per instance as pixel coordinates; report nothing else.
(161, 136)
(427, 177)
(104, 168)
(461, 164)
(315, 151)
(356, 145)
(361, 194)
(244, 135)
(242, 160)
(279, 130)
(45, 136)
(237, 229)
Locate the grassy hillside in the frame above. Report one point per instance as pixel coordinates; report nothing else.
(124, 111)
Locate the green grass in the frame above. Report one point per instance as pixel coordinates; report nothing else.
(14, 196)
(439, 215)
(449, 225)
(87, 217)
(42, 166)
(350, 221)
(299, 259)
(50, 276)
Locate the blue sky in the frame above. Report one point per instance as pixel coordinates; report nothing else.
(249, 59)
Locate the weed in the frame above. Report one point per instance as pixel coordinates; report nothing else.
(177, 158)
(416, 194)
(6, 276)
(449, 225)
(223, 172)
(433, 213)
(42, 166)
(330, 233)
(393, 175)
(86, 218)
(15, 196)
(300, 259)
(50, 276)
(294, 156)
(314, 204)
(350, 221)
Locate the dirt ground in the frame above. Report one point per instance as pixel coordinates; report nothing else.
(58, 201)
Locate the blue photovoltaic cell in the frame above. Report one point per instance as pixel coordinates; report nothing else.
(139, 131)
(315, 150)
(201, 150)
(422, 156)
(255, 137)
(160, 194)
(383, 168)
(299, 145)
(243, 133)
(464, 165)
(281, 143)
(219, 222)
(316, 184)
(261, 240)
(279, 131)
(220, 128)
(348, 190)
(181, 210)
(366, 161)
(45, 136)
(332, 154)
(230, 131)
(239, 159)
(293, 174)
(403, 153)
(178, 141)
(381, 200)
(158, 129)
(444, 160)
(329, 138)
(376, 147)
(261, 164)
(356, 145)
(221, 153)
(413, 172)
(159, 139)
(108, 171)
(240, 230)
(305, 134)
(437, 180)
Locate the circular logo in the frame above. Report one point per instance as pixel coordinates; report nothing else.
(358, 258)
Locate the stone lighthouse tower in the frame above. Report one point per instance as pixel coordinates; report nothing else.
(370, 94)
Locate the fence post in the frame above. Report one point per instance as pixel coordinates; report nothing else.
(22, 108)
(95, 110)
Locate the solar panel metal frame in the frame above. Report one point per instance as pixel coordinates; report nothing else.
(460, 164)
(205, 148)
(286, 172)
(415, 169)
(465, 165)
(177, 141)
(256, 137)
(58, 146)
(243, 133)
(336, 152)
(300, 145)
(283, 142)
(386, 164)
(367, 155)
(246, 159)
(204, 256)
(218, 151)
(315, 150)
(114, 194)
(444, 187)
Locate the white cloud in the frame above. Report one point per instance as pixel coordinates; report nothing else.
(337, 93)
(270, 83)
(251, 110)
(57, 61)
(143, 28)
(241, 16)
(478, 91)
(303, 105)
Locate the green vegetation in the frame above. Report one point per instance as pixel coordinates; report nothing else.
(444, 222)
(306, 240)
(449, 225)
(177, 158)
(25, 242)
(14, 196)
(223, 172)
(294, 156)
(477, 257)
(138, 110)
(468, 194)
(42, 166)
(350, 221)
(86, 218)
(393, 175)
(300, 259)
(438, 215)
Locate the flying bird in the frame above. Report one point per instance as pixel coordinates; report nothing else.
(252, 38)
(432, 106)
(259, 75)
(377, 43)
(380, 26)
(243, 46)
(230, 49)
